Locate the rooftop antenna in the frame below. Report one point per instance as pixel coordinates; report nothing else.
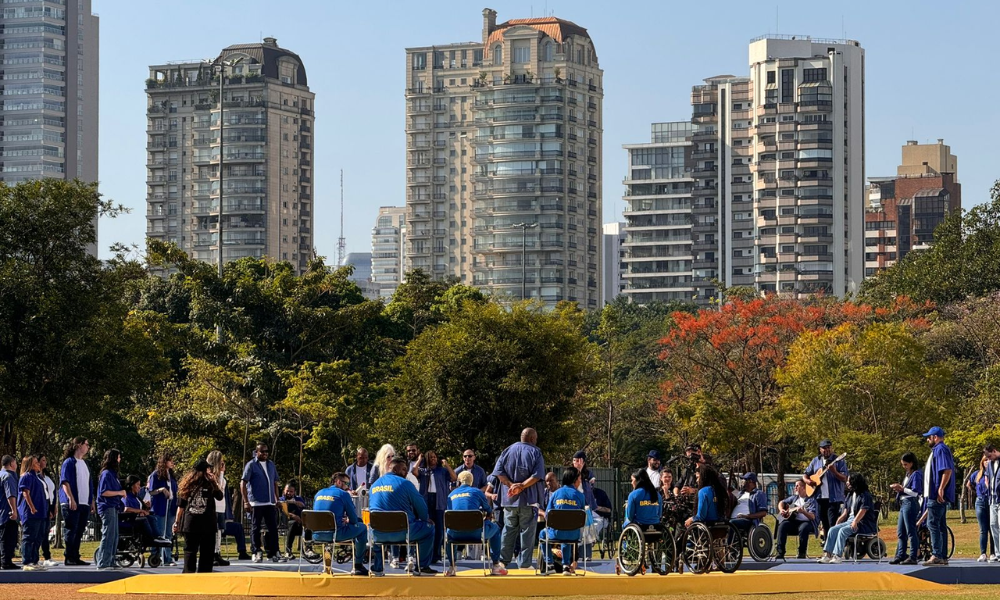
(341, 242)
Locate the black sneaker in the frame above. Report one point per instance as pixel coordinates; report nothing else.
(802, 557)
(908, 561)
(219, 561)
(244, 556)
(11, 567)
(779, 557)
(360, 571)
(428, 571)
(896, 560)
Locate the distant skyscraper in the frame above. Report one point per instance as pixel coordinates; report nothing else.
(505, 132)
(903, 211)
(612, 267)
(362, 276)
(268, 144)
(388, 241)
(49, 118)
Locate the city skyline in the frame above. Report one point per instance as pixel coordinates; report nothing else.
(362, 108)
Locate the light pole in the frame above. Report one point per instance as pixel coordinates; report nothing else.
(221, 67)
(524, 236)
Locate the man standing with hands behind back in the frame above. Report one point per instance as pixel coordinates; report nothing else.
(939, 492)
(519, 469)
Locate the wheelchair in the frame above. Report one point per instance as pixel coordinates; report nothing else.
(134, 544)
(924, 549)
(717, 546)
(759, 541)
(642, 547)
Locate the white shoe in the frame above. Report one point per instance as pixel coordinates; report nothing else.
(982, 558)
(258, 557)
(394, 563)
(994, 558)
(836, 560)
(49, 563)
(32, 568)
(498, 569)
(824, 560)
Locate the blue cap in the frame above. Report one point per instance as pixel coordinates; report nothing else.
(750, 477)
(653, 454)
(825, 444)
(935, 431)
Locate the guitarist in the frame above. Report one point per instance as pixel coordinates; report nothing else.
(830, 495)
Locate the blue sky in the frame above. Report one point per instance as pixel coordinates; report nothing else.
(923, 81)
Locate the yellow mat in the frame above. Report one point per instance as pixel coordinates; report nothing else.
(471, 584)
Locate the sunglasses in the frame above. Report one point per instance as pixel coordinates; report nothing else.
(468, 456)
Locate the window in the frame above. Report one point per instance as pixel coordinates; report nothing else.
(770, 77)
(420, 61)
(522, 54)
(809, 75)
(787, 85)
(498, 54)
(547, 51)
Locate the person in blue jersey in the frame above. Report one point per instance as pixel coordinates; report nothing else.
(76, 498)
(520, 469)
(33, 510)
(908, 496)
(140, 526)
(468, 497)
(643, 504)
(830, 496)
(435, 477)
(337, 499)
(939, 492)
(110, 496)
(478, 473)
(712, 499)
(990, 482)
(751, 505)
(259, 486)
(393, 492)
(162, 484)
(567, 497)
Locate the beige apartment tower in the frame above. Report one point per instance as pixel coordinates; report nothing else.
(267, 151)
(504, 139)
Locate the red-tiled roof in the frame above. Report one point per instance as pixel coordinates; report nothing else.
(557, 29)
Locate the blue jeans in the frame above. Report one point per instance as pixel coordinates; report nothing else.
(906, 529)
(983, 517)
(836, 538)
(166, 532)
(105, 555)
(937, 523)
(31, 540)
(356, 532)
(568, 548)
(421, 533)
(492, 538)
(518, 523)
(74, 524)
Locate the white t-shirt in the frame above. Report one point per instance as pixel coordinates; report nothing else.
(82, 483)
(50, 488)
(431, 486)
(654, 476)
(411, 477)
(928, 469)
(361, 474)
(270, 486)
(220, 505)
(742, 505)
(799, 503)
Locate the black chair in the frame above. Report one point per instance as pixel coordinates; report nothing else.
(321, 522)
(467, 520)
(391, 521)
(565, 520)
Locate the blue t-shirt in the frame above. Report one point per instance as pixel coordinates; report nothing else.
(642, 508)
(834, 487)
(67, 474)
(707, 510)
(478, 475)
(857, 502)
(131, 501)
(520, 462)
(337, 501)
(565, 498)
(394, 493)
(939, 460)
(158, 502)
(30, 483)
(8, 487)
(108, 483)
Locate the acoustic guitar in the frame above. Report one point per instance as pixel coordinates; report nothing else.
(816, 479)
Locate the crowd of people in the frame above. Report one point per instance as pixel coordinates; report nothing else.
(515, 496)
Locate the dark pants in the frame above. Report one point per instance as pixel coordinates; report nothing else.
(437, 516)
(31, 540)
(199, 550)
(906, 528)
(293, 533)
(264, 516)
(8, 542)
(74, 524)
(46, 553)
(803, 529)
(829, 512)
(236, 530)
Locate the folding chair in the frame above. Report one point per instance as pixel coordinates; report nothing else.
(565, 520)
(467, 520)
(322, 523)
(391, 521)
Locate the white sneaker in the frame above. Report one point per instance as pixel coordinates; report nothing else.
(394, 563)
(258, 557)
(32, 568)
(836, 560)
(982, 558)
(49, 563)
(824, 560)
(498, 569)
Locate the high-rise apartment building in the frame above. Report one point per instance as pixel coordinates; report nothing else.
(388, 244)
(903, 211)
(612, 261)
(772, 167)
(504, 140)
(49, 117)
(266, 147)
(362, 275)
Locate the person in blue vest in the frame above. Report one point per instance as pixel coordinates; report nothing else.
(520, 469)
(8, 513)
(939, 492)
(858, 517)
(140, 526)
(751, 505)
(567, 497)
(989, 481)
(908, 496)
(435, 477)
(830, 496)
(478, 473)
(110, 502)
(162, 485)
(360, 473)
(259, 485)
(33, 510)
(76, 499)
(643, 504)
(337, 499)
(468, 497)
(393, 492)
(798, 515)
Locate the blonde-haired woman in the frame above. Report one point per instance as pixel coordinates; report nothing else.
(383, 457)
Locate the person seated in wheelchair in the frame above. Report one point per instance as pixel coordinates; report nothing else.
(337, 499)
(751, 505)
(712, 498)
(643, 504)
(566, 497)
(858, 517)
(133, 526)
(797, 515)
(467, 497)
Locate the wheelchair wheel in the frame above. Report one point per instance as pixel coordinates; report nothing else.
(697, 553)
(661, 557)
(155, 560)
(631, 549)
(142, 560)
(875, 548)
(124, 560)
(951, 542)
(729, 550)
(760, 543)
